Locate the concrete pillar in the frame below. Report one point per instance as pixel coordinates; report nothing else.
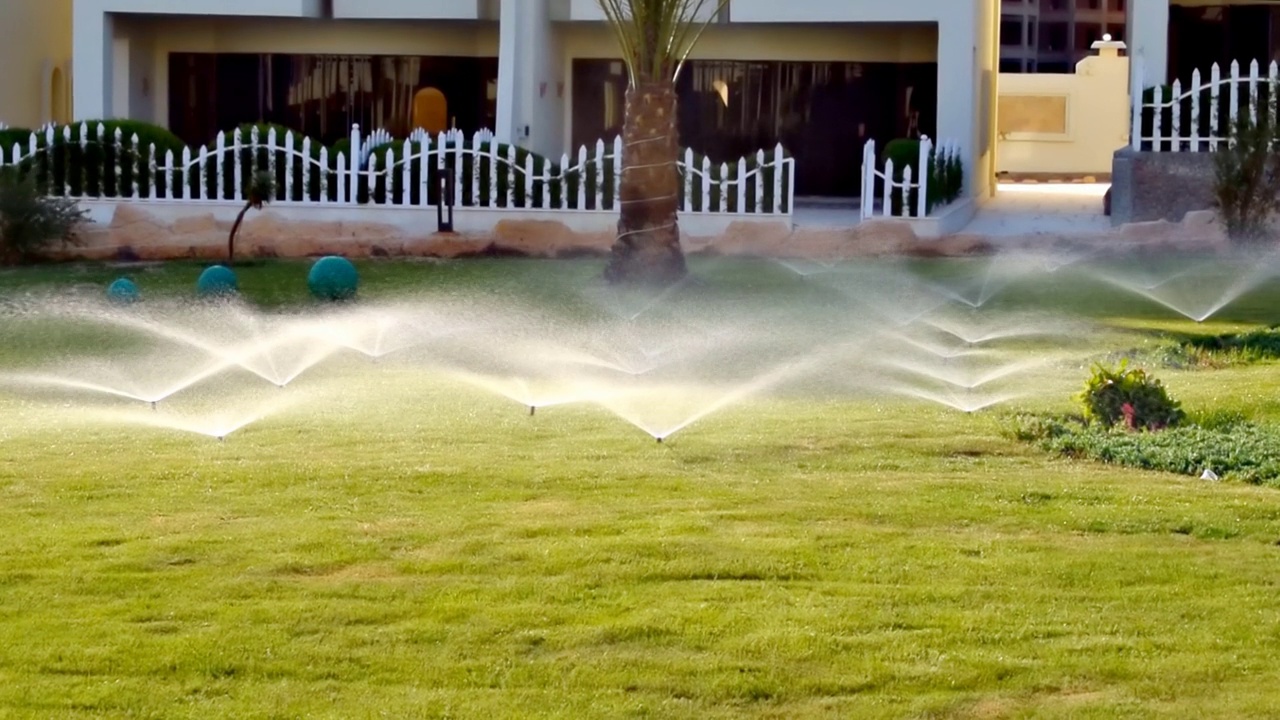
(530, 73)
(1149, 40)
(510, 72)
(959, 86)
(93, 54)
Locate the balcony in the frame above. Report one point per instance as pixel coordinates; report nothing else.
(243, 8)
(416, 9)
(589, 10)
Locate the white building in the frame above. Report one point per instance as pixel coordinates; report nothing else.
(820, 76)
(1172, 38)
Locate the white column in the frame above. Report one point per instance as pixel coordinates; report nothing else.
(1149, 39)
(510, 19)
(542, 108)
(959, 81)
(93, 52)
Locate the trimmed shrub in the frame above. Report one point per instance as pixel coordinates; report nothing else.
(91, 163)
(31, 221)
(1129, 397)
(1246, 186)
(945, 175)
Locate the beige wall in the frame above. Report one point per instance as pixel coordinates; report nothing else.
(151, 40)
(35, 41)
(1064, 124)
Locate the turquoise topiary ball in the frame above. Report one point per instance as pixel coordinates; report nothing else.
(333, 278)
(217, 281)
(123, 291)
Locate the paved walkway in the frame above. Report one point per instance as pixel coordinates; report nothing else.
(1059, 209)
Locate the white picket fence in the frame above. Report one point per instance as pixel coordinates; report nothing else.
(1194, 119)
(478, 171)
(911, 192)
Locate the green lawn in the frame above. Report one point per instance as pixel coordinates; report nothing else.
(396, 543)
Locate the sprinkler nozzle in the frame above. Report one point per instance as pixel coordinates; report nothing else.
(532, 409)
(659, 439)
(154, 405)
(222, 438)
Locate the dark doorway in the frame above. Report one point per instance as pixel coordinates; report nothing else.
(1202, 35)
(823, 113)
(322, 96)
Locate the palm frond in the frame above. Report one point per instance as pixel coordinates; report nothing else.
(656, 36)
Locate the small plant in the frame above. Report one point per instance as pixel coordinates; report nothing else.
(1128, 396)
(1247, 178)
(30, 221)
(262, 187)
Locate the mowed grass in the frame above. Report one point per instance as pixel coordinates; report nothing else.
(403, 546)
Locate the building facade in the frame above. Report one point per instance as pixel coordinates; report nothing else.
(820, 76)
(35, 52)
(1173, 38)
(1052, 36)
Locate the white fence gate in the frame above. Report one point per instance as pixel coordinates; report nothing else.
(908, 197)
(1194, 118)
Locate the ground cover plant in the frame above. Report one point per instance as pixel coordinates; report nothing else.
(398, 543)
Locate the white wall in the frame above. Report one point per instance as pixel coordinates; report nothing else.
(1149, 39)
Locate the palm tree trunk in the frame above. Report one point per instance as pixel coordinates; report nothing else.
(647, 249)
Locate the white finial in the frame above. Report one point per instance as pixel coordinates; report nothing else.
(1106, 37)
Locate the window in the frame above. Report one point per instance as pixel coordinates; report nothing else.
(1011, 33)
(1053, 36)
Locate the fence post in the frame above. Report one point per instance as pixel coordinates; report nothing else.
(868, 179)
(887, 208)
(1253, 92)
(353, 166)
(741, 182)
(1235, 94)
(925, 163)
(686, 180)
(182, 173)
(784, 185)
(1136, 90)
(289, 159)
(759, 189)
(322, 181)
(238, 167)
(1196, 88)
(598, 173)
(170, 174)
(1175, 123)
(510, 172)
(617, 172)
(529, 183)
(1215, 82)
(424, 170)
(151, 167)
(66, 160)
(137, 165)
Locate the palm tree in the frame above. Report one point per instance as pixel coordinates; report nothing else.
(655, 37)
(261, 188)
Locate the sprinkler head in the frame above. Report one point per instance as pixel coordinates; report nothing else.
(154, 404)
(222, 438)
(532, 409)
(659, 439)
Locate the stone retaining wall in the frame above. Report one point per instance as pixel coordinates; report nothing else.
(1148, 186)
